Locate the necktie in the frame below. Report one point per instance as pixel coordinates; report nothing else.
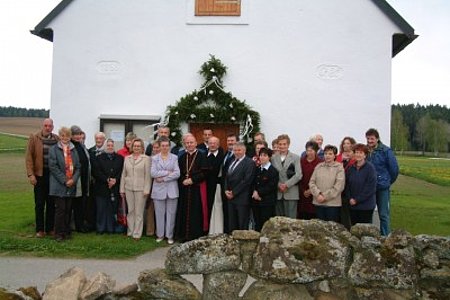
(233, 165)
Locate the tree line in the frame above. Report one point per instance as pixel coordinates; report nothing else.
(10, 111)
(414, 127)
(420, 128)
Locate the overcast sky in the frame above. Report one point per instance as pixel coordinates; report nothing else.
(420, 73)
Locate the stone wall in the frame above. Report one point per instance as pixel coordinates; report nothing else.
(290, 259)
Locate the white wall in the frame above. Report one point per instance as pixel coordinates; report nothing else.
(306, 66)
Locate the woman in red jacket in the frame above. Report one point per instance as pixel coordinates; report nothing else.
(306, 209)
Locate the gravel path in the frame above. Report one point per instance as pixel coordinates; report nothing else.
(18, 272)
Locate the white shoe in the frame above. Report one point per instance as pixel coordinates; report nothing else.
(170, 242)
(159, 240)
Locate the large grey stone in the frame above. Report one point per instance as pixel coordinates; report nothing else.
(203, 256)
(68, 286)
(387, 264)
(99, 285)
(299, 251)
(158, 284)
(266, 290)
(223, 285)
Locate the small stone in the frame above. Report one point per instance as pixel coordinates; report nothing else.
(31, 292)
(125, 289)
(359, 230)
(223, 285)
(68, 286)
(99, 285)
(158, 284)
(263, 290)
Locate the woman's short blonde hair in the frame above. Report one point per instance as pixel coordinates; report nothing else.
(140, 141)
(65, 131)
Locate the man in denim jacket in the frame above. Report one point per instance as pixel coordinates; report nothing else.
(383, 158)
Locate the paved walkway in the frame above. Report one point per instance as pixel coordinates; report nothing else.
(18, 272)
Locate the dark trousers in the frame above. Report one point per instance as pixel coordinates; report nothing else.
(361, 216)
(105, 214)
(261, 214)
(238, 216)
(44, 205)
(345, 213)
(328, 213)
(225, 211)
(63, 207)
(78, 207)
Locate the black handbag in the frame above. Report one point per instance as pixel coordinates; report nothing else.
(290, 171)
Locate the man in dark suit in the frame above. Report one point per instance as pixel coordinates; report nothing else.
(214, 159)
(238, 183)
(207, 133)
(232, 139)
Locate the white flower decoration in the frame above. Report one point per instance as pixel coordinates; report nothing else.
(193, 116)
(233, 119)
(211, 115)
(212, 70)
(211, 92)
(195, 98)
(214, 77)
(231, 105)
(173, 134)
(176, 113)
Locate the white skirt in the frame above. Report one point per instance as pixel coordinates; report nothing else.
(216, 220)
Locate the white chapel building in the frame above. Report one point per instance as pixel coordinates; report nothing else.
(307, 66)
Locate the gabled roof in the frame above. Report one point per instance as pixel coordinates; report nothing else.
(399, 40)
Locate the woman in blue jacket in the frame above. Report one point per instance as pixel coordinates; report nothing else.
(361, 187)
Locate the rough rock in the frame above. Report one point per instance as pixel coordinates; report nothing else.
(248, 240)
(158, 284)
(31, 292)
(299, 251)
(223, 285)
(359, 230)
(6, 295)
(388, 264)
(205, 255)
(125, 289)
(68, 286)
(326, 296)
(99, 285)
(263, 290)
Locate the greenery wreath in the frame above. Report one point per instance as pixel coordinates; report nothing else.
(212, 104)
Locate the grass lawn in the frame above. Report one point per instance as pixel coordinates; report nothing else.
(12, 142)
(420, 207)
(429, 169)
(17, 223)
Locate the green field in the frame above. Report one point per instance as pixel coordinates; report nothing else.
(434, 170)
(8, 143)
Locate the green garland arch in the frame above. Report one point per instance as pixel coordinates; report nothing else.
(212, 104)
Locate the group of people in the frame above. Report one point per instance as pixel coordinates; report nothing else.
(184, 192)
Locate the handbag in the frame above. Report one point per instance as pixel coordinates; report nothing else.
(122, 212)
(290, 171)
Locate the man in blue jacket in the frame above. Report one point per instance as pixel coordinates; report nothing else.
(383, 158)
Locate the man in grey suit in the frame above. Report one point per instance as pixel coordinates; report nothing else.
(238, 183)
(290, 172)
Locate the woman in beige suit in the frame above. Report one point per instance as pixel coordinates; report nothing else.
(135, 187)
